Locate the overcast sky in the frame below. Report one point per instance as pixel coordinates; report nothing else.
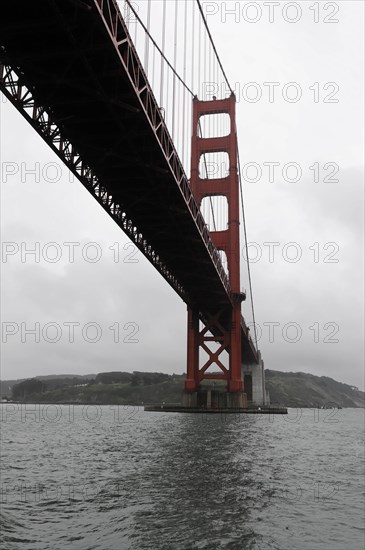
(309, 312)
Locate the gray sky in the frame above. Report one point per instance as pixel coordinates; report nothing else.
(317, 300)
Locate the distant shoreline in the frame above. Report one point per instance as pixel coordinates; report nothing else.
(125, 389)
(141, 405)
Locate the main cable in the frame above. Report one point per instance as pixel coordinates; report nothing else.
(245, 235)
(158, 48)
(213, 45)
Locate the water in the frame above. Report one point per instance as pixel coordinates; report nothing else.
(103, 478)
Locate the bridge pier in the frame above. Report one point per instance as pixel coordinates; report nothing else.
(254, 383)
(211, 398)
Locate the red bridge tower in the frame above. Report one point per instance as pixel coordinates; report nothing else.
(222, 326)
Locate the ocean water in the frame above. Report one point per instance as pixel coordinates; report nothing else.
(119, 478)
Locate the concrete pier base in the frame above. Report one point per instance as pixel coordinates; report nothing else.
(216, 398)
(190, 399)
(178, 408)
(212, 398)
(237, 400)
(254, 383)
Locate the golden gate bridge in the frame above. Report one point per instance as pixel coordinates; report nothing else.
(134, 99)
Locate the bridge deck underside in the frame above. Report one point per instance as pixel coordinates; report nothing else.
(71, 64)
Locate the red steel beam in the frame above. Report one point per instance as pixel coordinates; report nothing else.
(227, 240)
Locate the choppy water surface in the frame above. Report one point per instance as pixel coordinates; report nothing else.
(103, 478)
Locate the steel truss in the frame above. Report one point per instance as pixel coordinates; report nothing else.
(14, 86)
(118, 32)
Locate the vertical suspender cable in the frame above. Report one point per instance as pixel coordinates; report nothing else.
(153, 67)
(239, 166)
(219, 124)
(159, 49)
(193, 47)
(193, 56)
(174, 77)
(125, 14)
(246, 244)
(135, 28)
(184, 79)
(147, 45)
(205, 65)
(213, 45)
(163, 53)
(199, 56)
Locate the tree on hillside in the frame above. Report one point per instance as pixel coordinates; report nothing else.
(113, 378)
(27, 388)
(136, 379)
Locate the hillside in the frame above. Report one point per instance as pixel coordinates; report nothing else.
(298, 389)
(291, 389)
(6, 386)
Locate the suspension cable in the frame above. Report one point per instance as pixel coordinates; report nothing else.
(245, 235)
(158, 48)
(213, 45)
(193, 95)
(163, 53)
(239, 167)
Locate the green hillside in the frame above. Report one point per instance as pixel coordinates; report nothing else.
(298, 389)
(290, 389)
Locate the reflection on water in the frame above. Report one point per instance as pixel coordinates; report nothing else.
(105, 478)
